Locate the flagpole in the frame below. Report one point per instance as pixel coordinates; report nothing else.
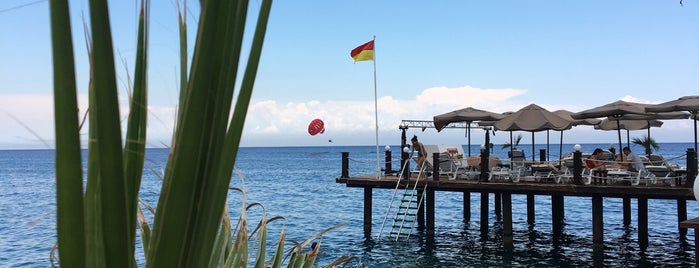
(376, 115)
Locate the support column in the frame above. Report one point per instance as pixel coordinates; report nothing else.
(467, 206)
(430, 212)
(420, 211)
(497, 204)
(557, 211)
(345, 165)
(643, 223)
(682, 215)
(627, 210)
(367, 211)
(484, 212)
(530, 209)
(597, 221)
(507, 220)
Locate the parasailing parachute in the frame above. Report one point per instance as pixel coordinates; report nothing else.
(316, 127)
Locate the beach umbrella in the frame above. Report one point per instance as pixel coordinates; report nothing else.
(574, 122)
(614, 111)
(532, 118)
(468, 115)
(687, 103)
(628, 124)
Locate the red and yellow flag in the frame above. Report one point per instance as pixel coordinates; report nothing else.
(363, 52)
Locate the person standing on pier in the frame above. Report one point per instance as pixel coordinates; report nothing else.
(421, 155)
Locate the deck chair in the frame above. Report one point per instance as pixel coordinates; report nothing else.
(657, 160)
(517, 158)
(447, 166)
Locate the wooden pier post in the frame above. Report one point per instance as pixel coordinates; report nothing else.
(367, 211)
(484, 212)
(643, 223)
(557, 213)
(530, 209)
(497, 204)
(682, 215)
(694, 224)
(597, 220)
(626, 204)
(345, 165)
(507, 220)
(467, 206)
(420, 217)
(430, 212)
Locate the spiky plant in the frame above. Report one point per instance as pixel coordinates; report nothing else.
(648, 144)
(514, 144)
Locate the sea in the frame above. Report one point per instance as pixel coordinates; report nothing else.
(299, 184)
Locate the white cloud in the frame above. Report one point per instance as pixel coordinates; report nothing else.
(273, 123)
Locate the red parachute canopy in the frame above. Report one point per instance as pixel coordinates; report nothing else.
(316, 126)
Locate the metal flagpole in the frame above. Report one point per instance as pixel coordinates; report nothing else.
(376, 115)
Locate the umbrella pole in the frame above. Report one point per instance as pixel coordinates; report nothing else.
(618, 131)
(628, 140)
(512, 149)
(468, 129)
(548, 149)
(533, 158)
(560, 148)
(694, 113)
(648, 140)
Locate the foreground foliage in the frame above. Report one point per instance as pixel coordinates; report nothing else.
(97, 225)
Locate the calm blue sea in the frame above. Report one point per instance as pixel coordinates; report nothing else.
(298, 183)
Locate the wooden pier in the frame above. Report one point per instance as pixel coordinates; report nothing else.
(503, 191)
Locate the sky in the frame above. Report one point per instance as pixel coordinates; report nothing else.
(431, 57)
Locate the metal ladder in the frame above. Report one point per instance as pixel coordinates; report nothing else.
(406, 212)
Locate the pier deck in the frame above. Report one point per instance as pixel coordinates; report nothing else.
(535, 188)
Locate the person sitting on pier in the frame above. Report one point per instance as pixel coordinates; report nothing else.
(421, 155)
(594, 162)
(633, 161)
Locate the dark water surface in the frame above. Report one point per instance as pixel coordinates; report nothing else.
(298, 183)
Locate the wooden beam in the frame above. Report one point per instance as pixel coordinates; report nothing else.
(597, 220)
(367, 211)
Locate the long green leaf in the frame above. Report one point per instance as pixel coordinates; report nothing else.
(134, 149)
(279, 253)
(112, 186)
(262, 240)
(215, 193)
(93, 205)
(69, 191)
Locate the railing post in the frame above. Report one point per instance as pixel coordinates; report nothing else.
(542, 155)
(691, 167)
(345, 165)
(435, 167)
(405, 164)
(577, 168)
(388, 168)
(485, 155)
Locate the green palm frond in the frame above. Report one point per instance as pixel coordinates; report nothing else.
(648, 144)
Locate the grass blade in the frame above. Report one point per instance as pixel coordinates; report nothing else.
(112, 193)
(135, 147)
(69, 191)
